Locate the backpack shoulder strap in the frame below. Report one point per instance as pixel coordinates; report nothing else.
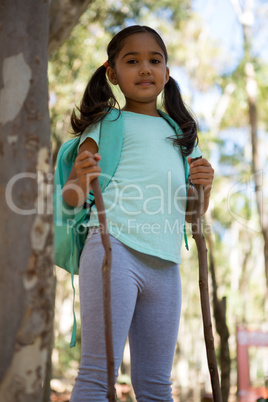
(65, 160)
(178, 132)
(110, 146)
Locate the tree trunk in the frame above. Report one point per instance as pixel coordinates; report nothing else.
(251, 88)
(26, 248)
(64, 15)
(49, 366)
(244, 279)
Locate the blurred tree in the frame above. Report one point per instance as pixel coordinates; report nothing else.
(246, 17)
(26, 249)
(63, 16)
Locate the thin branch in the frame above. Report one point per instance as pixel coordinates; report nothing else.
(204, 293)
(106, 282)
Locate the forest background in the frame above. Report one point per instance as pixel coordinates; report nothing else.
(218, 54)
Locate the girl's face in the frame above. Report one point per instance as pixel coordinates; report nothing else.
(140, 71)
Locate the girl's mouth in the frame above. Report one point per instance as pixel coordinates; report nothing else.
(145, 83)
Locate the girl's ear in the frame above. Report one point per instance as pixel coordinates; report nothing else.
(167, 75)
(111, 75)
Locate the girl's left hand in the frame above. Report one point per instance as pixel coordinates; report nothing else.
(201, 172)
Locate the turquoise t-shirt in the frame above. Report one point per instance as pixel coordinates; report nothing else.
(146, 198)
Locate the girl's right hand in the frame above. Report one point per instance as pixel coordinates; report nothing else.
(84, 170)
(87, 168)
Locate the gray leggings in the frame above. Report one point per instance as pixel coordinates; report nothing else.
(146, 302)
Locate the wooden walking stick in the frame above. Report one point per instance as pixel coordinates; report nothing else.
(204, 291)
(106, 283)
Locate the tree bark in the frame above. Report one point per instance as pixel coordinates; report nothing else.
(26, 248)
(63, 16)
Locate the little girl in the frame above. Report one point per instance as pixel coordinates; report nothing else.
(145, 204)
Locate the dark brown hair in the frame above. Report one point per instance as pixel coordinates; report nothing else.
(98, 98)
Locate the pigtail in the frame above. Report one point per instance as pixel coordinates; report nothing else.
(177, 110)
(97, 101)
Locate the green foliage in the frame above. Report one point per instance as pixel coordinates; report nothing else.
(67, 355)
(123, 13)
(262, 80)
(69, 70)
(237, 112)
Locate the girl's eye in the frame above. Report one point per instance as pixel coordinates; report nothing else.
(132, 61)
(155, 61)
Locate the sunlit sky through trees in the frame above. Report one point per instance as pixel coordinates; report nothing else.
(220, 21)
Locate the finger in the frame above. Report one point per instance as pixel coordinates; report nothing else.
(189, 160)
(201, 170)
(97, 157)
(90, 161)
(200, 162)
(84, 155)
(201, 176)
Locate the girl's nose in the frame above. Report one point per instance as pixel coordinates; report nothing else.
(145, 70)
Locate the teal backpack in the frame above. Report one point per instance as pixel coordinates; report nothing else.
(70, 224)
